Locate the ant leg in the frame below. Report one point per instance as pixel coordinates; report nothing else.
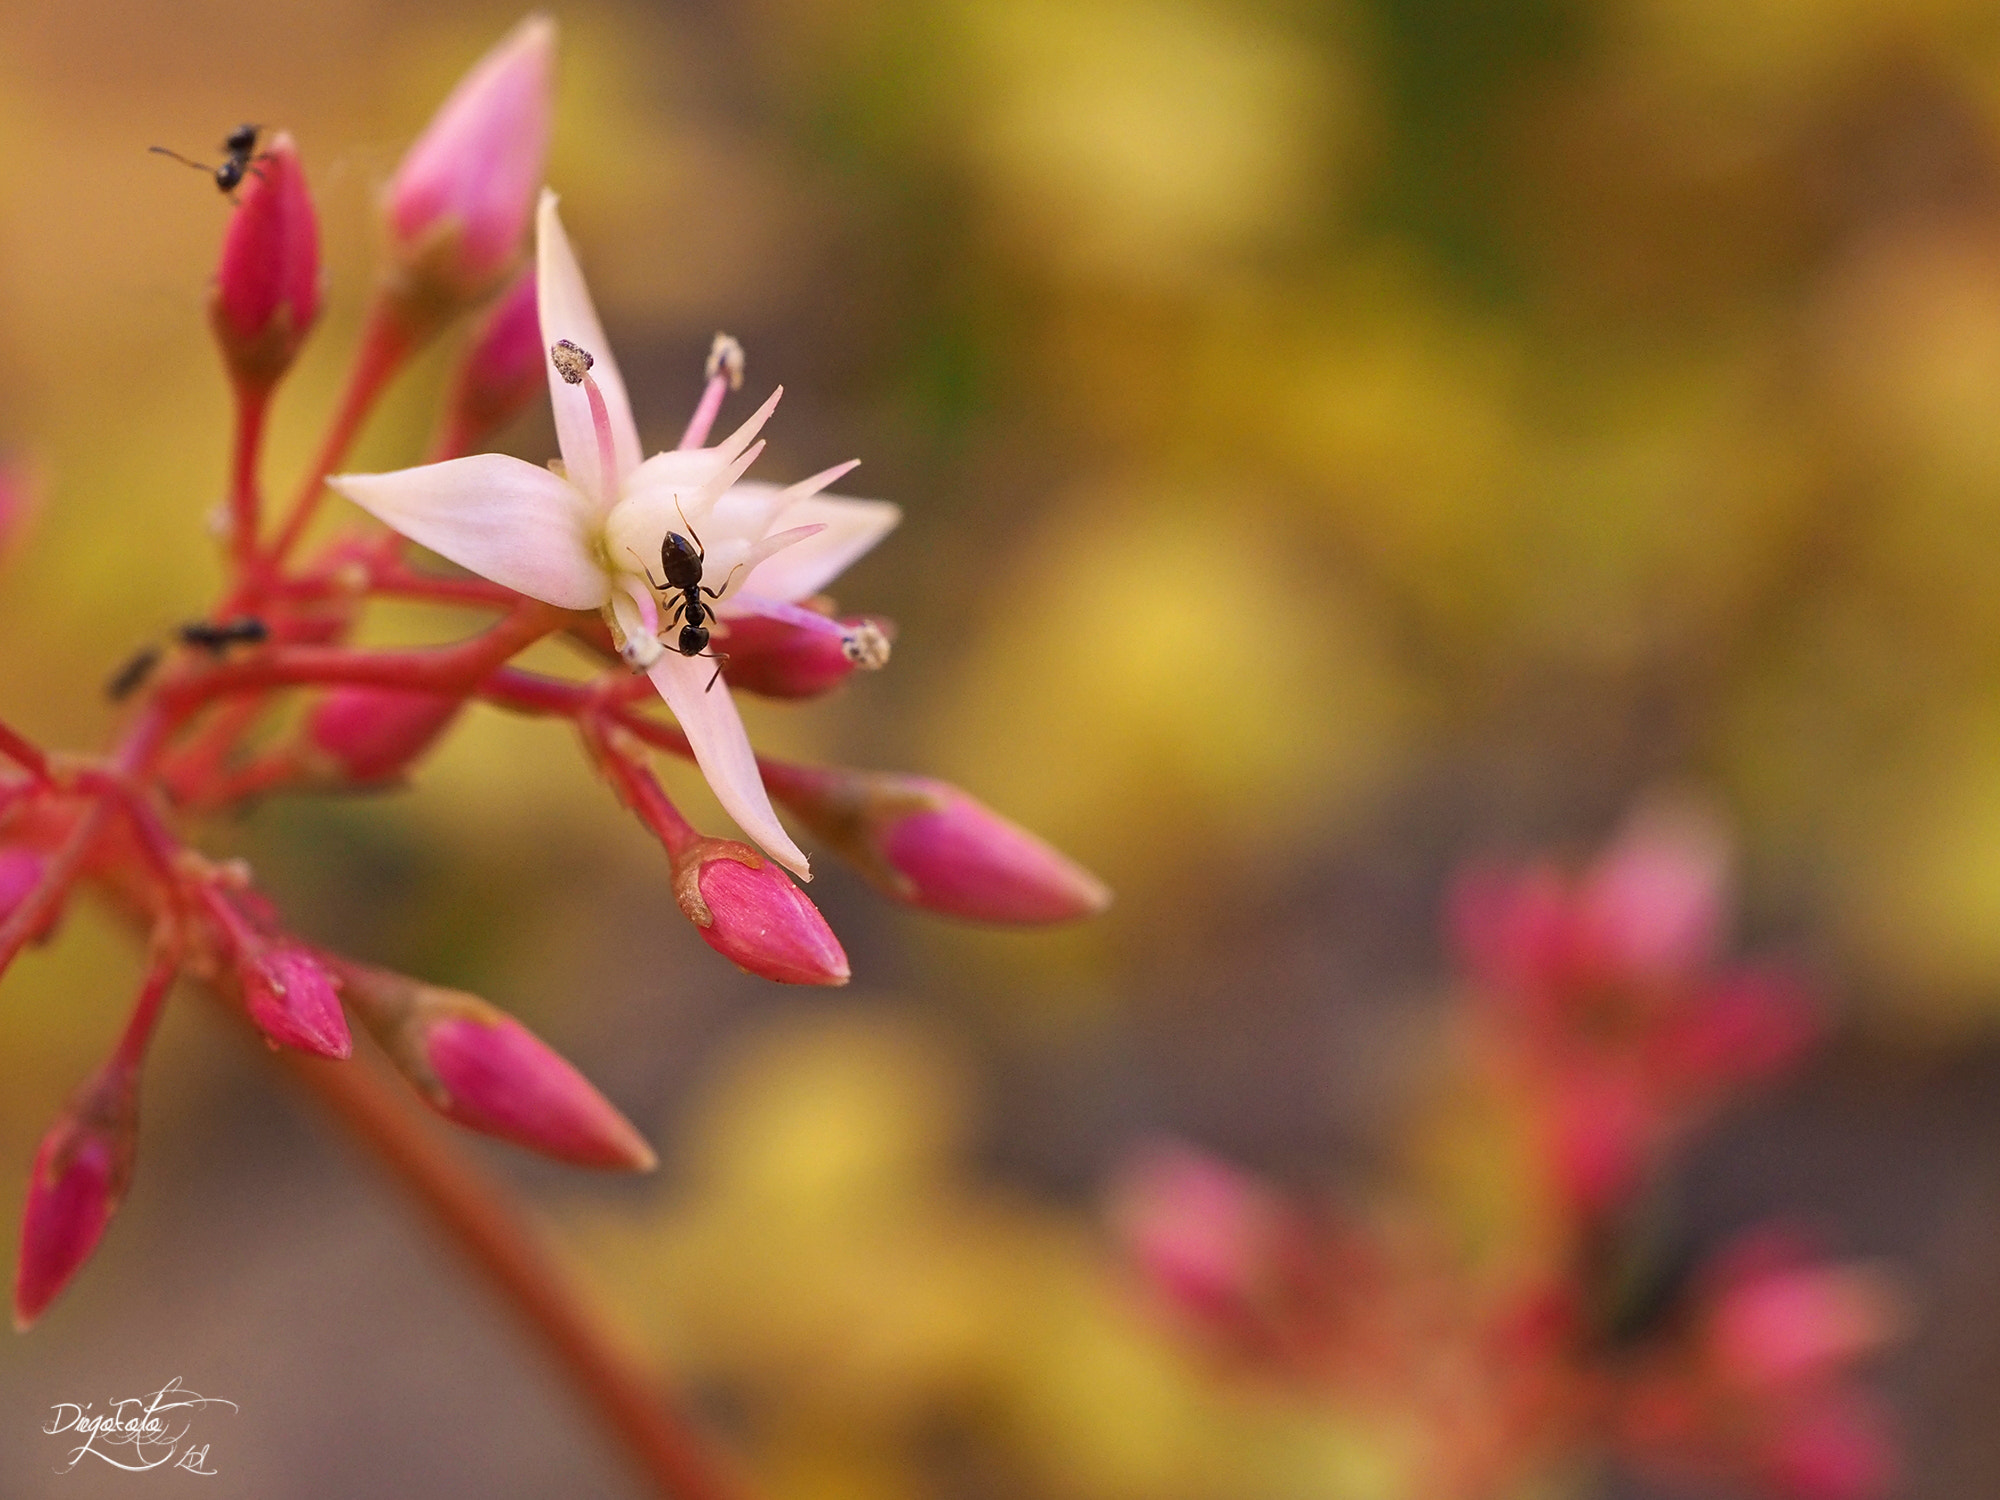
(700, 552)
(718, 593)
(720, 662)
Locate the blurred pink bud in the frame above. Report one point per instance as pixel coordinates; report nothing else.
(20, 872)
(1835, 1446)
(80, 1174)
(1604, 1129)
(498, 1077)
(1515, 931)
(748, 910)
(501, 371)
(1744, 1027)
(267, 289)
(479, 1066)
(1202, 1233)
(371, 735)
(20, 502)
(294, 1000)
(786, 651)
(1654, 902)
(927, 843)
(1782, 1320)
(459, 204)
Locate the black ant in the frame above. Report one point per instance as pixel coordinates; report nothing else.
(216, 636)
(682, 561)
(212, 636)
(241, 146)
(129, 678)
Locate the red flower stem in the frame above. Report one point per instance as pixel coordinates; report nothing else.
(24, 753)
(161, 973)
(253, 402)
(385, 344)
(197, 763)
(456, 668)
(474, 1211)
(532, 693)
(636, 785)
(58, 875)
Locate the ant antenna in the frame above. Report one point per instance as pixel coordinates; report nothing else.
(199, 166)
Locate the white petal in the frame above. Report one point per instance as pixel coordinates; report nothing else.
(722, 750)
(568, 313)
(851, 528)
(506, 520)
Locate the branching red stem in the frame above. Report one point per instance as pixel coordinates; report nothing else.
(473, 1210)
(385, 345)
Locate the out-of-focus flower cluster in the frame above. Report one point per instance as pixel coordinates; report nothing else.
(1243, 1339)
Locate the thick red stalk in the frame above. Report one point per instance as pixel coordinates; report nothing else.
(32, 915)
(253, 402)
(444, 669)
(385, 344)
(24, 753)
(637, 788)
(473, 1210)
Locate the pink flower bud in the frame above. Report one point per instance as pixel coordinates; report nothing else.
(1748, 1025)
(267, 291)
(80, 1174)
(501, 371)
(784, 651)
(748, 910)
(927, 843)
(1604, 1130)
(1204, 1235)
(1781, 1319)
(479, 1066)
(1835, 1446)
(459, 204)
(1654, 902)
(371, 735)
(499, 1077)
(294, 1000)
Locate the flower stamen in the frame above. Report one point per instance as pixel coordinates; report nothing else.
(725, 373)
(573, 362)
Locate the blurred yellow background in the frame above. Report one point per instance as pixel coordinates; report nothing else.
(1335, 439)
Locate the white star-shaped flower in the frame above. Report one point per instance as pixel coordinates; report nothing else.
(589, 535)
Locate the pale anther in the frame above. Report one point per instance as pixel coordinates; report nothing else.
(867, 646)
(725, 357)
(572, 361)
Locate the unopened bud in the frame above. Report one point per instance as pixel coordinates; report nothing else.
(267, 289)
(372, 735)
(500, 373)
(80, 1174)
(784, 651)
(294, 1000)
(479, 1066)
(927, 843)
(1203, 1234)
(1833, 1445)
(748, 910)
(459, 203)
